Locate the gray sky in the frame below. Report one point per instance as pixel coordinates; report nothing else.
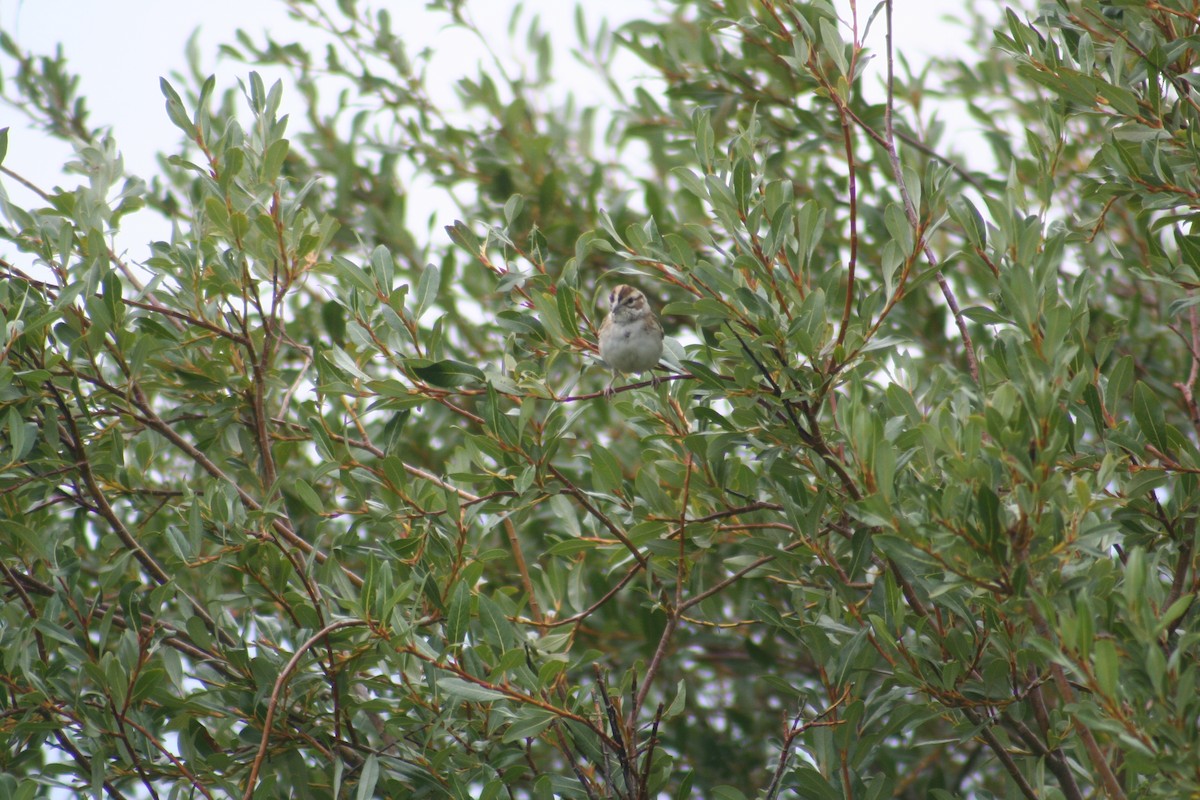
(119, 63)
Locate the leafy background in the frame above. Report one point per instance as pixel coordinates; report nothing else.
(307, 504)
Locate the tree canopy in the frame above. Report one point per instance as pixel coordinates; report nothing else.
(323, 497)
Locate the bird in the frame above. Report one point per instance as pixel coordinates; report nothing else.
(631, 338)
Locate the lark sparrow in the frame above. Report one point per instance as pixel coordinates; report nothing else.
(631, 340)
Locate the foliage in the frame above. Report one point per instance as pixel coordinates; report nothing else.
(315, 503)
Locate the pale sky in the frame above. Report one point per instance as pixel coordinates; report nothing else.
(119, 64)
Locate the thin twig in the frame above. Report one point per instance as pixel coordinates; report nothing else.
(792, 733)
(997, 747)
(910, 208)
(648, 759)
(280, 682)
(1099, 763)
(614, 722)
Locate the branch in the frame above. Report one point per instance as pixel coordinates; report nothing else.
(277, 691)
(581, 498)
(985, 727)
(1109, 780)
(910, 208)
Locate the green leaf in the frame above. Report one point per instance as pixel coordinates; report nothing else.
(703, 138)
(465, 690)
(833, 46)
(446, 373)
(462, 235)
(175, 110)
(1189, 244)
(743, 184)
(496, 628)
(1106, 664)
(727, 793)
(720, 195)
(308, 496)
(529, 722)
(458, 613)
(1148, 411)
(679, 703)
(368, 777)
(899, 227)
(964, 212)
(427, 288)
(342, 360)
(273, 160)
(1116, 390)
(692, 182)
(812, 784)
(354, 274)
(606, 470)
(1173, 613)
(512, 208)
(383, 266)
(1086, 634)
